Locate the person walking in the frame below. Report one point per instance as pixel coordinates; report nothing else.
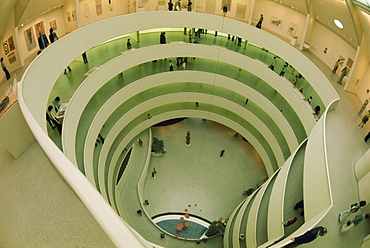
(128, 44)
(308, 236)
(342, 75)
(222, 153)
(336, 65)
(272, 67)
(259, 23)
(7, 74)
(364, 119)
(140, 142)
(84, 57)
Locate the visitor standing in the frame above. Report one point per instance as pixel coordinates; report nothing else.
(7, 74)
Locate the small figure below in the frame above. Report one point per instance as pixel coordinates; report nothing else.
(51, 119)
(317, 110)
(282, 73)
(56, 103)
(140, 142)
(364, 119)
(139, 212)
(146, 202)
(128, 44)
(84, 57)
(69, 69)
(299, 205)
(289, 222)
(148, 116)
(309, 100)
(171, 65)
(272, 67)
(162, 38)
(259, 23)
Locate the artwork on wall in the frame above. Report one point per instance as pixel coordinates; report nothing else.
(30, 39)
(53, 25)
(11, 44)
(277, 22)
(39, 28)
(99, 8)
(69, 17)
(6, 47)
(12, 58)
(292, 29)
(74, 16)
(86, 8)
(241, 9)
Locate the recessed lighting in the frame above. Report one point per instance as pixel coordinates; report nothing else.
(338, 23)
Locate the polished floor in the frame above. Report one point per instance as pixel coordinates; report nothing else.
(39, 210)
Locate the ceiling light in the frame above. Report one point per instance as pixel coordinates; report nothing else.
(338, 23)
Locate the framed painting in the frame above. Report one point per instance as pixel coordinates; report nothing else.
(29, 37)
(277, 22)
(99, 8)
(53, 25)
(6, 47)
(39, 28)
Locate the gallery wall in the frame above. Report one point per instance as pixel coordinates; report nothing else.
(239, 9)
(29, 46)
(280, 20)
(323, 38)
(91, 12)
(9, 48)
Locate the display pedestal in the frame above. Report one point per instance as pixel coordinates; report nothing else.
(15, 135)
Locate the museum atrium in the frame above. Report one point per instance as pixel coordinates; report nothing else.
(201, 126)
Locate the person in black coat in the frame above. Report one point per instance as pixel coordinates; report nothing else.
(308, 236)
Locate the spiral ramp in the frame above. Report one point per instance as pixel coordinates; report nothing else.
(288, 142)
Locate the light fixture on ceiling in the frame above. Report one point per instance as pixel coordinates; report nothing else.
(338, 23)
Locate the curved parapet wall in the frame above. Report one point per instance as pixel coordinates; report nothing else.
(33, 85)
(104, 73)
(315, 179)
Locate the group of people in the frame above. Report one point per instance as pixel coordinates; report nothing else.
(178, 6)
(356, 220)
